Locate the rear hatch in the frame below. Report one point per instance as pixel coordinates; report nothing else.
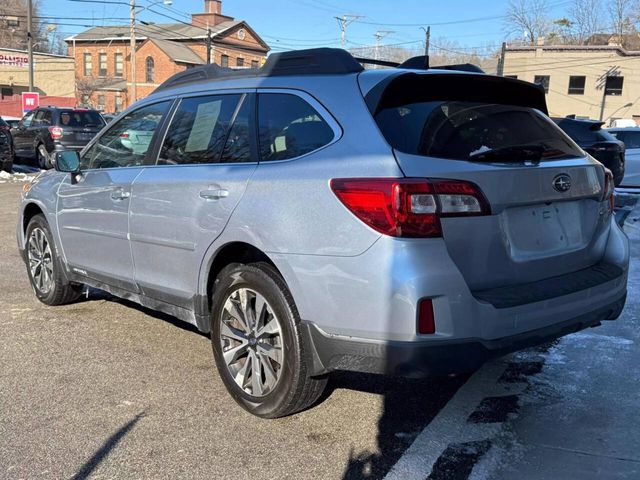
(546, 198)
(78, 126)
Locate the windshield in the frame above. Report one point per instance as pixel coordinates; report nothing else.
(461, 130)
(80, 118)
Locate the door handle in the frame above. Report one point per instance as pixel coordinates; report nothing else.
(119, 194)
(214, 194)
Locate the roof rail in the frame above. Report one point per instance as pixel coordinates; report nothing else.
(314, 61)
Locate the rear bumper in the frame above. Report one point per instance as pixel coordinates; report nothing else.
(421, 358)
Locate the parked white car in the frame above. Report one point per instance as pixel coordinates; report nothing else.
(623, 123)
(631, 139)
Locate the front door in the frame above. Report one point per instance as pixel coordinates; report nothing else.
(22, 140)
(182, 204)
(93, 207)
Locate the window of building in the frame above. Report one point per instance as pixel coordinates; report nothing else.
(150, 70)
(6, 92)
(613, 86)
(542, 80)
(85, 100)
(87, 65)
(576, 85)
(224, 61)
(12, 21)
(118, 65)
(239, 62)
(116, 148)
(100, 105)
(515, 77)
(199, 129)
(254, 63)
(118, 104)
(289, 127)
(102, 71)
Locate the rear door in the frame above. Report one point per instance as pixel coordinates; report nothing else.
(93, 209)
(545, 196)
(631, 141)
(182, 204)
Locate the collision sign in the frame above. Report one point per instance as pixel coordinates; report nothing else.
(14, 60)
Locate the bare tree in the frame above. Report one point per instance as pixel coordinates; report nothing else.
(623, 15)
(586, 17)
(528, 18)
(14, 28)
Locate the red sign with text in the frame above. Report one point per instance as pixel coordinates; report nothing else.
(30, 100)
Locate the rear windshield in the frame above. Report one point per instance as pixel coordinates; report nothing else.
(630, 139)
(461, 129)
(80, 118)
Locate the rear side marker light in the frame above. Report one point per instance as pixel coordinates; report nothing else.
(409, 207)
(56, 132)
(426, 320)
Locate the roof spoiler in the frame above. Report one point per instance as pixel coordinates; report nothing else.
(421, 62)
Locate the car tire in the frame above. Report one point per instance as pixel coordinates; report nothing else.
(44, 266)
(42, 157)
(278, 350)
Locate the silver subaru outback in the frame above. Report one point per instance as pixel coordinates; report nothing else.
(314, 216)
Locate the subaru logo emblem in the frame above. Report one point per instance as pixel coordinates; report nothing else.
(562, 182)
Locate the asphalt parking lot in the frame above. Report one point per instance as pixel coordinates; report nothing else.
(105, 389)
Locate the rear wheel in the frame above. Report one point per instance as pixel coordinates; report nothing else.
(257, 344)
(44, 266)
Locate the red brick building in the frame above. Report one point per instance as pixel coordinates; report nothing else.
(102, 55)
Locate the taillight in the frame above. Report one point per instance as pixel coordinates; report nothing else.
(124, 135)
(56, 132)
(409, 207)
(609, 188)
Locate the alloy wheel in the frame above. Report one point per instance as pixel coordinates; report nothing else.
(40, 261)
(252, 343)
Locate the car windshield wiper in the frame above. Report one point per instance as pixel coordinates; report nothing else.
(512, 153)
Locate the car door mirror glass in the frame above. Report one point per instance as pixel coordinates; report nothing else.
(68, 161)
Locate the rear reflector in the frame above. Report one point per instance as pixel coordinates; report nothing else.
(426, 321)
(409, 207)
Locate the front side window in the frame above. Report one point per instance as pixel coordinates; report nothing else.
(199, 130)
(103, 65)
(118, 65)
(289, 127)
(27, 119)
(150, 70)
(576, 85)
(87, 65)
(543, 80)
(613, 86)
(126, 143)
(460, 130)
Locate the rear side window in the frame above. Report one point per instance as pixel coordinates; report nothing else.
(80, 118)
(630, 139)
(289, 127)
(199, 130)
(461, 129)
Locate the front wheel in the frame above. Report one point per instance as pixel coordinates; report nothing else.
(42, 156)
(44, 266)
(257, 344)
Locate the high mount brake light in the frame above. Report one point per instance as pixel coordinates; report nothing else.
(409, 207)
(56, 132)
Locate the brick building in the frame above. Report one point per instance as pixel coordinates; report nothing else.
(102, 54)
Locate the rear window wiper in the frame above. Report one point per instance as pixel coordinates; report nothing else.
(513, 153)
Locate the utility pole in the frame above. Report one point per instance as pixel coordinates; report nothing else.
(379, 35)
(208, 45)
(503, 52)
(30, 43)
(343, 22)
(132, 34)
(427, 40)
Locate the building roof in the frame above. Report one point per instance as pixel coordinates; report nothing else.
(575, 48)
(42, 54)
(163, 31)
(177, 52)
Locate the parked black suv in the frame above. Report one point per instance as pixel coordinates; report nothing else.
(46, 130)
(6, 147)
(598, 143)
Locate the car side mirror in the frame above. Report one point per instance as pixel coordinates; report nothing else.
(67, 161)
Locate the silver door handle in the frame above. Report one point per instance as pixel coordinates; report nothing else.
(214, 194)
(119, 194)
